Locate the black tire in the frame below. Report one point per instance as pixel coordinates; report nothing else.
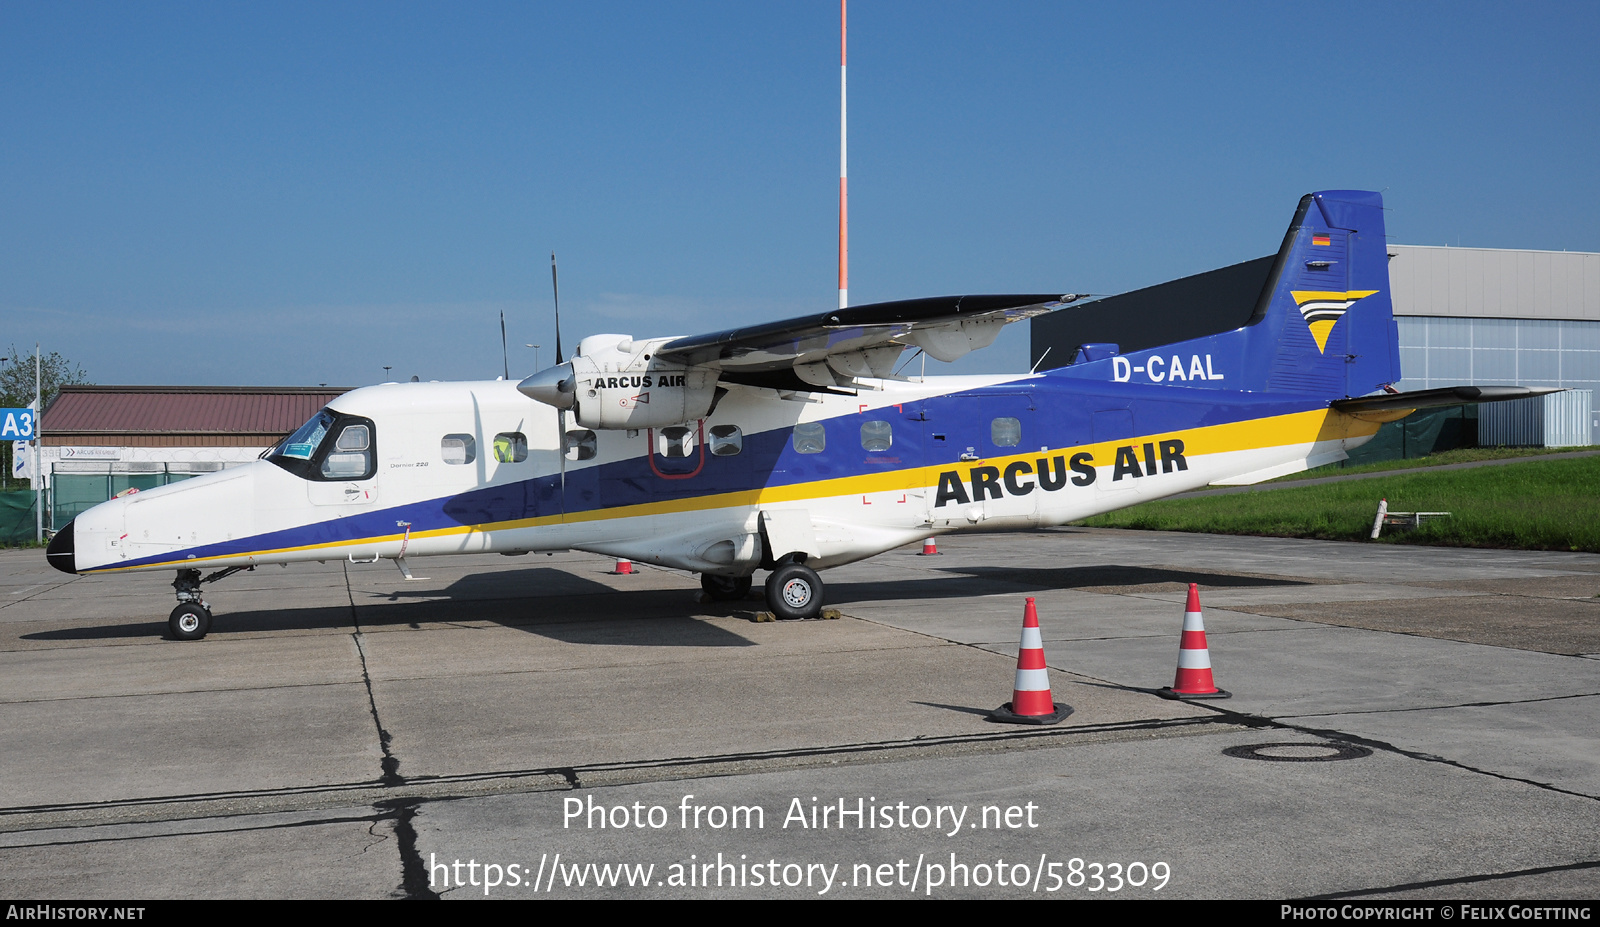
(189, 622)
(794, 591)
(725, 588)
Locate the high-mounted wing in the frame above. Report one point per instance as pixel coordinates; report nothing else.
(615, 381)
(862, 341)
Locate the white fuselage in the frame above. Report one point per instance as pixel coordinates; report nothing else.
(897, 464)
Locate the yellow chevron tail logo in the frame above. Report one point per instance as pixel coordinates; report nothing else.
(1322, 310)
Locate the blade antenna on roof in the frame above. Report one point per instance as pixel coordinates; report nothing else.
(561, 416)
(555, 289)
(505, 360)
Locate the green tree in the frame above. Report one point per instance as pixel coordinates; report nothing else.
(16, 388)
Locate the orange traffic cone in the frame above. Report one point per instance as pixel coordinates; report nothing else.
(624, 568)
(929, 548)
(1030, 697)
(1194, 657)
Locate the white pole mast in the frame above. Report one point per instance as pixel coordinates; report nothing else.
(844, 199)
(38, 452)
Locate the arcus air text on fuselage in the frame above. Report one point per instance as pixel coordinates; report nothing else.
(895, 464)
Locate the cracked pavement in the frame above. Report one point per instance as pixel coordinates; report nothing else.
(342, 730)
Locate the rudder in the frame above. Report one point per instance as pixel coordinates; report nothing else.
(1323, 326)
(1328, 300)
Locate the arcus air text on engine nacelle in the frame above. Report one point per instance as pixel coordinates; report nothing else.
(614, 382)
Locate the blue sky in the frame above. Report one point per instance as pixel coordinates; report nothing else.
(293, 194)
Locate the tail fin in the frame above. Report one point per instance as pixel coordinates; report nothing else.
(1323, 324)
(1327, 303)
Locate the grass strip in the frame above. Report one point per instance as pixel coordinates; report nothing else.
(1538, 505)
(1459, 455)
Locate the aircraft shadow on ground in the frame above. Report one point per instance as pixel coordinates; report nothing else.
(283, 619)
(988, 580)
(556, 604)
(1117, 575)
(544, 601)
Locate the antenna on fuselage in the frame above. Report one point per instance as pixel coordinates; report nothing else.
(561, 415)
(555, 289)
(505, 360)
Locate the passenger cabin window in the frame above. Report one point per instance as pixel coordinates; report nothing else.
(876, 436)
(580, 445)
(810, 438)
(458, 449)
(510, 447)
(1005, 432)
(726, 440)
(675, 441)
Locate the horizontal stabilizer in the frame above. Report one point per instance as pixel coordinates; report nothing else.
(1434, 398)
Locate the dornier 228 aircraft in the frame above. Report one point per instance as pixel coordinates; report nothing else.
(790, 447)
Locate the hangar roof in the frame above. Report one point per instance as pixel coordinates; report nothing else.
(1494, 283)
(258, 412)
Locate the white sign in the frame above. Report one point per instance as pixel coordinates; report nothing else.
(91, 453)
(19, 459)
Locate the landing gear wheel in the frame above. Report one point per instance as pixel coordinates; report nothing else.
(794, 591)
(725, 588)
(189, 622)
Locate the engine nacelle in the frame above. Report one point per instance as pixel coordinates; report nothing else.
(614, 382)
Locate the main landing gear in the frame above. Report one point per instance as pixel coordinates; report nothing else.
(793, 590)
(191, 620)
(725, 588)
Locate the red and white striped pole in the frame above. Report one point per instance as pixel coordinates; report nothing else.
(844, 199)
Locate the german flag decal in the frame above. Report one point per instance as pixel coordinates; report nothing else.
(1323, 240)
(1322, 310)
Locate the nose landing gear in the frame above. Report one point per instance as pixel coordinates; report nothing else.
(191, 620)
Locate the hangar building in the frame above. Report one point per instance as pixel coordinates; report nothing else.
(99, 441)
(1466, 316)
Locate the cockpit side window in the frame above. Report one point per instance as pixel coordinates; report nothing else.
(351, 457)
(310, 453)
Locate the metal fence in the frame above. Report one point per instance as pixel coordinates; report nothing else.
(16, 517)
(77, 486)
(1554, 420)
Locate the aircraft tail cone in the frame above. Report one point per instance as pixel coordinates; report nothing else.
(929, 548)
(624, 567)
(1194, 657)
(1030, 697)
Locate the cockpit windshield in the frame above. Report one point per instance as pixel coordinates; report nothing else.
(331, 447)
(307, 438)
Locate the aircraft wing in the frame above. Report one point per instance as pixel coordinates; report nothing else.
(1434, 398)
(835, 347)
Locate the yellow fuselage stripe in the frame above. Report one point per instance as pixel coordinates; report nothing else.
(1252, 434)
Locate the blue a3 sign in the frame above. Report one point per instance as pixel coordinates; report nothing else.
(16, 424)
(791, 447)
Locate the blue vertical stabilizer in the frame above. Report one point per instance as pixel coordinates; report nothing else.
(1323, 325)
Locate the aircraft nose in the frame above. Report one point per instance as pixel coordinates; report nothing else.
(60, 551)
